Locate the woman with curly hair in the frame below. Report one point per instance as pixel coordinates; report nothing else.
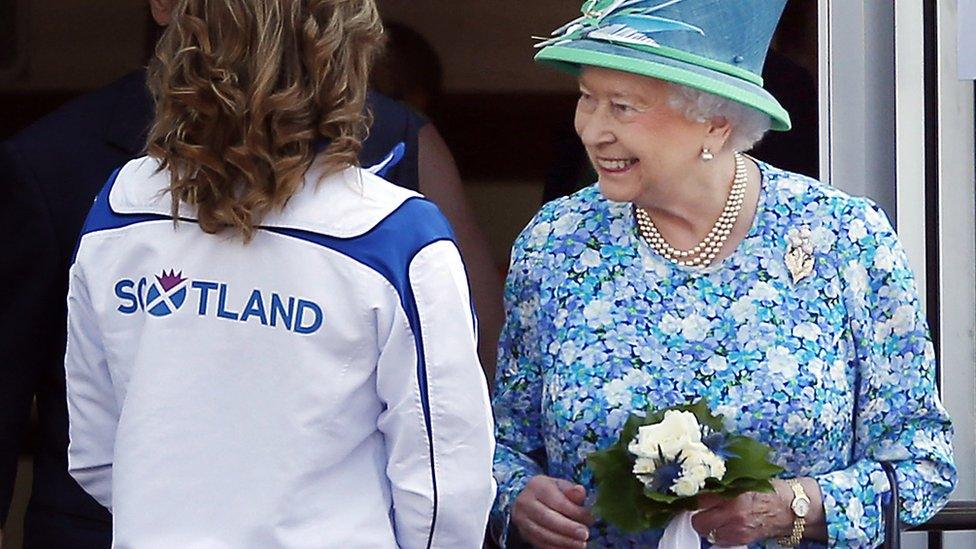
(269, 346)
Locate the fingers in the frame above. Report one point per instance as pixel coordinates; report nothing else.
(576, 496)
(560, 515)
(547, 517)
(709, 521)
(707, 501)
(543, 538)
(733, 522)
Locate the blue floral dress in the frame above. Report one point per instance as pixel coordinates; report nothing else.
(835, 372)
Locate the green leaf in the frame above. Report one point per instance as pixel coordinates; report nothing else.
(750, 461)
(619, 493)
(658, 496)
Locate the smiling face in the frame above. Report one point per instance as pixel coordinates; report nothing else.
(634, 139)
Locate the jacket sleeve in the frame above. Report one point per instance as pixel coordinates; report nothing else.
(437, 422)
(31, 306)
(898, 415)
(93, 413)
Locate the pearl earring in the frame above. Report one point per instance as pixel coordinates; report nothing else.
(706, 155)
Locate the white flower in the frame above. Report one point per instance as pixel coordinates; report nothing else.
(699, 464)
(567, 223)
(670, 324)
(655, 265)
(883, 259)
(855, 511)
(637, 379)
(718, 363)
(617, 393)
(763, 291)
(857, 277)
(797, 424)
(876, 218)
(881, 331)
(729, 412)
(540, 233)
(743, 310)
(590, 258)
(823, 239)
(645, 466)
(698, 455)
(781, 361)
(857, 230)
(686, 486)
(816, 367)
(597, 313)
(879, 481)
(676, 431)
(838, 372)
(806, 330)
(568, 352)
(695, 328)
(903, 320)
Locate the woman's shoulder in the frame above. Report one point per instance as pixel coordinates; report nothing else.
(582, 201)
(800, 200)
(577, 216)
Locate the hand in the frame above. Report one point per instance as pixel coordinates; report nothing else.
(751, 517)
(549, 512)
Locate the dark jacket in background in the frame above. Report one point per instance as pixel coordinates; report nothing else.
(49, 176)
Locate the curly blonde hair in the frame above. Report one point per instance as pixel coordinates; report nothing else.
(245, 92)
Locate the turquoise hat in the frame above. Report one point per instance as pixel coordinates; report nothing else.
(717, 46)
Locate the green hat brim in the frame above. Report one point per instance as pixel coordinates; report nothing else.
(572, 56)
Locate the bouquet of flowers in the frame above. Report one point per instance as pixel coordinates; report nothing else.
(665, 459)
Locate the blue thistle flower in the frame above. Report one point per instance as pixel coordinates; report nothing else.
(718, 443)
(666, 472)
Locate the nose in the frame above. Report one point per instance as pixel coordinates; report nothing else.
(593, 127)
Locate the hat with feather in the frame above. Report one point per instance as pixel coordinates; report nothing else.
(717, 46)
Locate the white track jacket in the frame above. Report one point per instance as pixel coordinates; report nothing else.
(317, 387)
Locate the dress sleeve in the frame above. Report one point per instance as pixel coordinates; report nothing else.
(898, 415)
(518, 379)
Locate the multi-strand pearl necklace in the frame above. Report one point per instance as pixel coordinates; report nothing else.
(704, 253)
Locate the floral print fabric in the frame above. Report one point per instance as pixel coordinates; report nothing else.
(834, 372)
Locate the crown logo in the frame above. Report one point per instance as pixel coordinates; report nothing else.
(170, 280)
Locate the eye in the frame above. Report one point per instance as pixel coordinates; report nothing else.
(586, 100)
(623, 108)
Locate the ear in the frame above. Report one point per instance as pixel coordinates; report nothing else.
(162, 11)
(717, 133)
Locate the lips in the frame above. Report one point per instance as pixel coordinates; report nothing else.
(615, 165)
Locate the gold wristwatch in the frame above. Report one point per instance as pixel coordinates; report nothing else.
(800, 507)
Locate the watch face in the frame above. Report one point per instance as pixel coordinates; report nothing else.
(801, 507)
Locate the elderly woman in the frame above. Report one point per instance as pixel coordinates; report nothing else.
(692, 271)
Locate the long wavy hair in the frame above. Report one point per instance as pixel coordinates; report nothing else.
(247, 91)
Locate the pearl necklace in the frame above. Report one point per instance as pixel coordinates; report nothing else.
(703, 253)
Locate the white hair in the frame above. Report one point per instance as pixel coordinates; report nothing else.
(748, 124)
